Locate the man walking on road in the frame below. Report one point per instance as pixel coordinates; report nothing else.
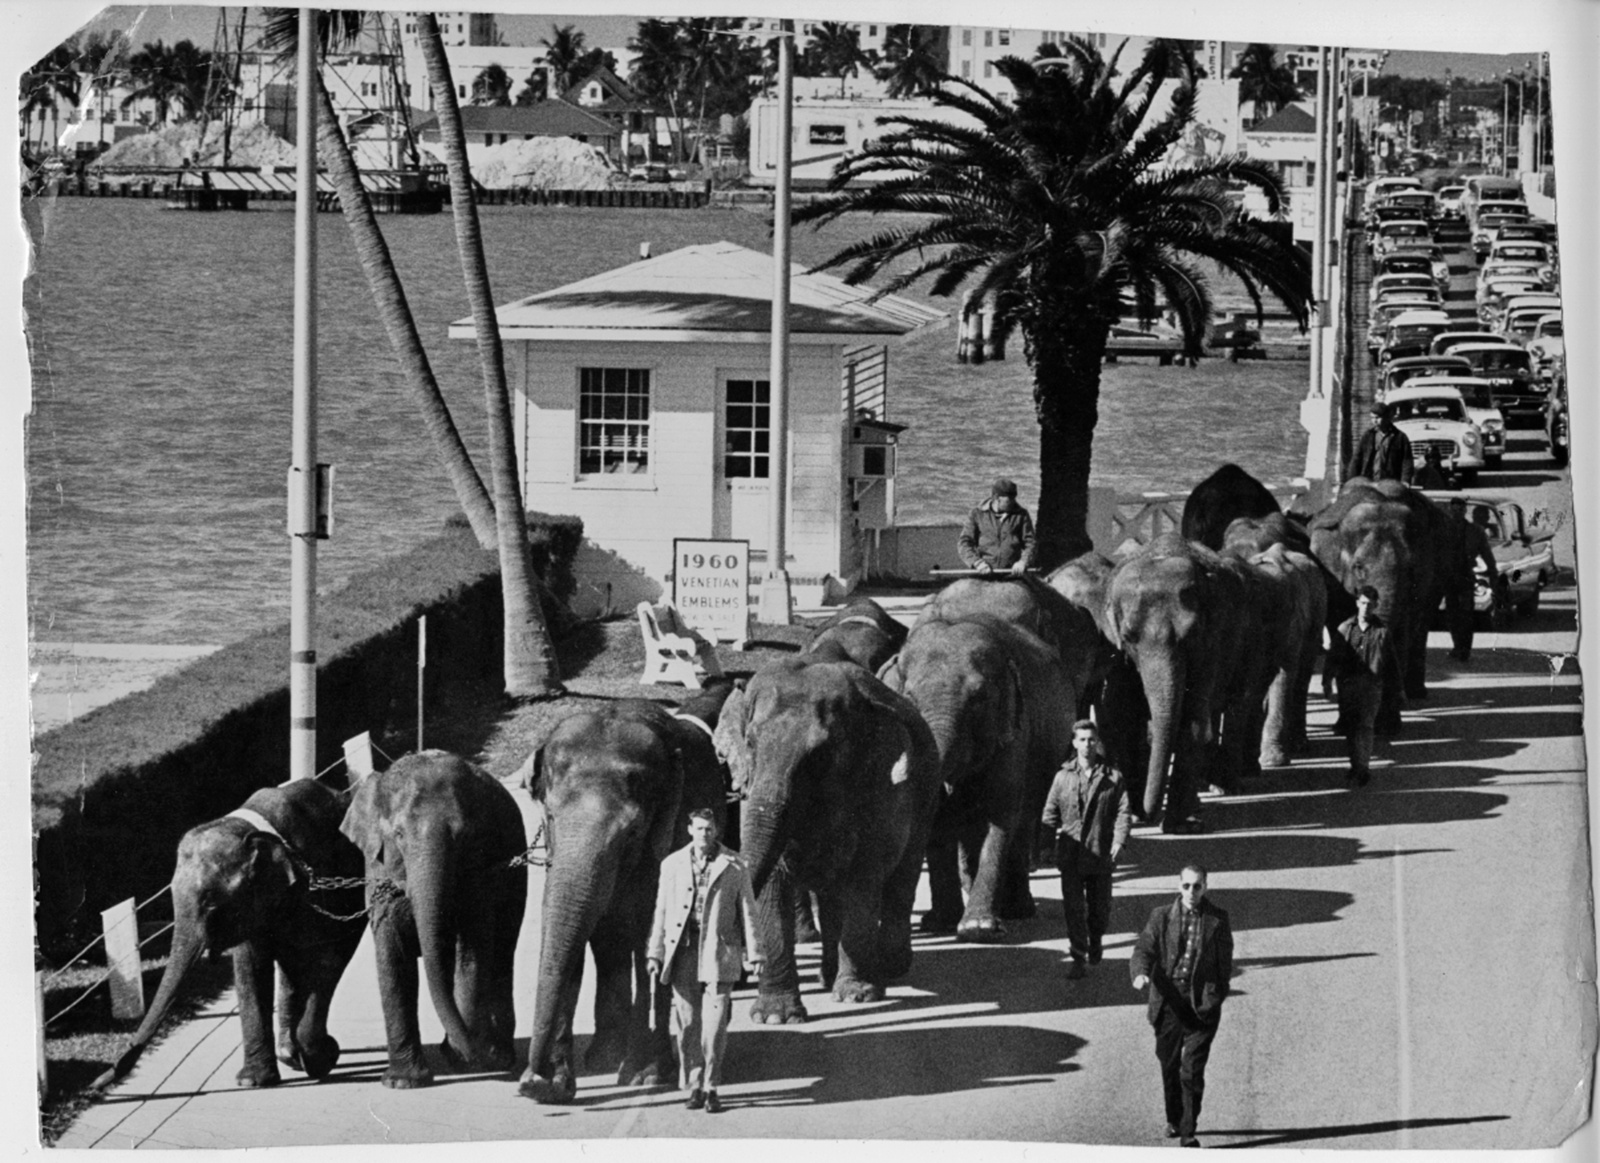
(1384, 452)
(704, 933)
(1183, 959)
(1361, 660)
(1088, 809)
(999, 533)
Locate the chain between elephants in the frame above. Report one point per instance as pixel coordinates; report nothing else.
(386, 888)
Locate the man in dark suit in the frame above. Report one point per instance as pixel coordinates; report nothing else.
(1184, 958)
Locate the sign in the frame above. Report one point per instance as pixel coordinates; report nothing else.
(711, 587)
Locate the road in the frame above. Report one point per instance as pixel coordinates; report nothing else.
(1415, 968)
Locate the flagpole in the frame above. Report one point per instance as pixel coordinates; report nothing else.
(303, 469)
(775, 596)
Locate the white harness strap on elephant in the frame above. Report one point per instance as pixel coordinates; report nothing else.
(864, 619)
(260, 823)
(698, 722)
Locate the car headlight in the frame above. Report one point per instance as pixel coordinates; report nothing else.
(1469, 440)
(1493, 426)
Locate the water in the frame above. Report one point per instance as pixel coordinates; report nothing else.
(159, 440)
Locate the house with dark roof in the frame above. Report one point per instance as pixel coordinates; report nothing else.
(1289, 139)
(487, 125)
(636, 119)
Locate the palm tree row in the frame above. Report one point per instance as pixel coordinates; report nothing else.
(1061, 208)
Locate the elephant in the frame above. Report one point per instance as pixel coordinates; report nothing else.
(1192, 622)
(616, 784)
(861, 631)
(1228, 493)
(243, 882)
(1388, 535)
(840, 778)
(439, 835)
(1000, 706)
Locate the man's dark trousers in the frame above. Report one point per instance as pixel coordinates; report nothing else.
(1086, 901)
(1183, 1047)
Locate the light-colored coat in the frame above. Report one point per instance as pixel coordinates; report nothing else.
(729, 935)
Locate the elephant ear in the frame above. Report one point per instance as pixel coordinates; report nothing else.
(729, 738)
(269, 858)
(369, 826)
(890, 673)
(530, 775)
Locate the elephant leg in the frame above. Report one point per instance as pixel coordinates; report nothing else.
(778, 996)
(553, 1079)
(894, 923)
(1276, 730)
(1014, 893)
(806, 929)
(828, 915)
(980, 922)
(502, 983)
(253, 980)
(1416, 659)
(395, 947)
(291, 1005)
(309, 978)
(1189, 760)
(648, 1054)
(944, 877)
(613, 994)
(856, 906)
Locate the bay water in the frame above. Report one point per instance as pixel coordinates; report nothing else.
(158, 445)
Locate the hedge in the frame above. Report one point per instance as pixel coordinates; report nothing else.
(114, 790)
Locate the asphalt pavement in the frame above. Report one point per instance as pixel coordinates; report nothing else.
(1414, 968)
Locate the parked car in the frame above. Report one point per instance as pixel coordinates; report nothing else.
(1557, 428)
(1524, 252)
(1422, 203)
(1522, 554)
(1450, 207)
(1493, 296)
(1410, 333)
(1478, 398)
(1398, 372)
(1435, 419)
(1509, 372)
(1402, 234)
(1547, 345)
(1502, 308)
(1385, 310)
(1446, 343)
(1534, 229)
(1380, 188)
(1381, 283)
(1536, 274)
(657, 172)
(1517, 326)
(1484, 228)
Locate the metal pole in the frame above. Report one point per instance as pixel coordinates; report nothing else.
(303, 470)
(422, 671)
(1505, 117)
(1319, 228)
(775, 606)
(1538, 124)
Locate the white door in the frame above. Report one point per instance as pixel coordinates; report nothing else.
(744, 463)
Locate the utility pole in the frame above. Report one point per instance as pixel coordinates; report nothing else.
(775, 597)
(303, 469)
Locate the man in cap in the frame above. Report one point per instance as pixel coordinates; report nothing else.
(1384, 452)
(999, 532)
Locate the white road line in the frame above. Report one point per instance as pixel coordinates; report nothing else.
(1402, 996)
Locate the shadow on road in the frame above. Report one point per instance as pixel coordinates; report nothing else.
(1276, 1138)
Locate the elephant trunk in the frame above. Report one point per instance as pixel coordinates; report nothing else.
(1163, 688)
(577, 893)
(762, 840)
(188, 944)
(431, 887)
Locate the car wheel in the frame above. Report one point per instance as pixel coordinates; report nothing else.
(1493, 462)
(1559, 454)
(1468, 476)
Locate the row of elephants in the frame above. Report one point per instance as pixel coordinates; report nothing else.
(849, 766)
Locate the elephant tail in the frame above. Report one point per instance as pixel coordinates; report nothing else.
(435, 889)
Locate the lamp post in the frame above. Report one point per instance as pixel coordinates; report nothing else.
(775, 592)
(1505, 120)
(303, 468)
(1538, 123)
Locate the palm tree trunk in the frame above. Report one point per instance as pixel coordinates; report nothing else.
(530, 663)
(1066, 394)
(398, 322)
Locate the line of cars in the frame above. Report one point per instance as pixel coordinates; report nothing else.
(1454, 387)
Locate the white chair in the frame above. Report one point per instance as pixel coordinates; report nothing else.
(672, 651)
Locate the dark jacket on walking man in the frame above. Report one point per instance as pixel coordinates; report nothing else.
(1087, 808)
(1363, 664)
(1384, 452)
(1183, 959)
(999, 533)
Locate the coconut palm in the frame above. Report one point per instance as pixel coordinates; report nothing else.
(492, 86)
(172, 76)
(835, 51)
(1264, 79)
(913, 59)
(564, 52)
(1060, 207)
(337, 29)
(530, 662)
(534, 90)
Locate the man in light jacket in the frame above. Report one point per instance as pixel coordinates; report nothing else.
(1087, 809)
(704, 934)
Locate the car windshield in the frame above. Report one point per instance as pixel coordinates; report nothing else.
(1406, 230)
(1430, 408)
(1523, 250)
(1415, 332)
(1409, 264)
(1507, 359)
(1476, 393)
(1551, 328)
(1493, 221)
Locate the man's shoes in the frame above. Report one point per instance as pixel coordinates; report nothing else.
(714, 1104)
(1076, 971)
(1191, 1141)
(697, 1099)
(1172, 1131)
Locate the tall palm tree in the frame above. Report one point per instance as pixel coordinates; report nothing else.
(530, 662)
(835, 51)
(100, 58)
(534, 90)
(173, 76)
(913, 60)
(1062, 209)
(1264, 79)
(659, 69)
(492, 86)
(342, 28)
(564, 50)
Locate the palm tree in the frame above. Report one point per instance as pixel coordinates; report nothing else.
(1265, 80)
(913, 60)
(659, 68)
(563, 53)
(172, 76)
(99, 58)
(530, 663)
(533, 90)
(492, 86)
(339, 29)
(1061, 209)
(835, 51)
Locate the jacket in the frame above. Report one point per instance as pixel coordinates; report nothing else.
(729, 936)
(1089, 813)
(1155, 955)
(1357, 653)
(1382, 456)
(1001, 539)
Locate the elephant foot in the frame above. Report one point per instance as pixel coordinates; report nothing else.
(413, 1078)
(548, 1091)
(778, 1009)
(896, 962)
(257, 1077)
(983, 930)
(316, 1060)
(661, 1071)
(857, 992)
(933, 922)
(604, 1054)
(1019, 909)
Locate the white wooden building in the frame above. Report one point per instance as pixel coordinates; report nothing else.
(640, 400)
